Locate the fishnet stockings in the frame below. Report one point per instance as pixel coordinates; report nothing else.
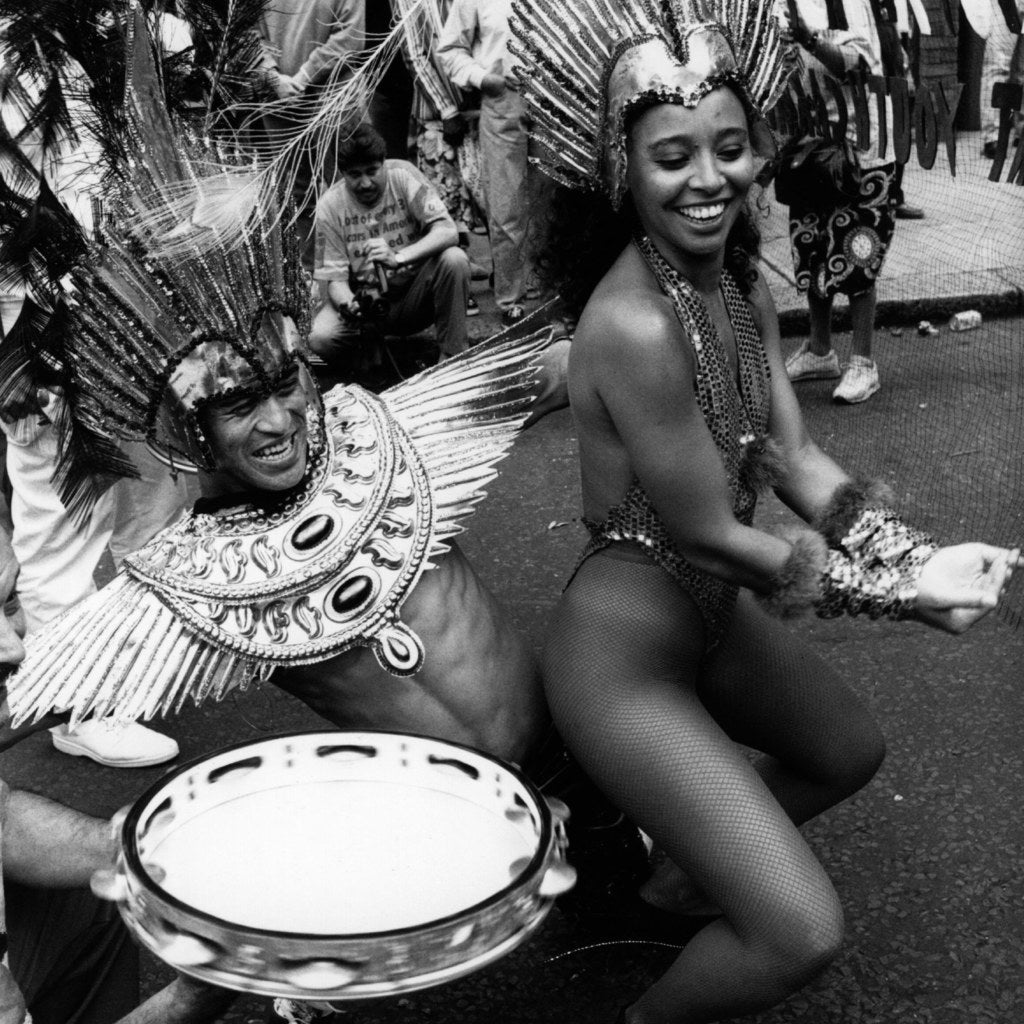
(652, 720)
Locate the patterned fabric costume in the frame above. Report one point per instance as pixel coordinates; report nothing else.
(840, 250)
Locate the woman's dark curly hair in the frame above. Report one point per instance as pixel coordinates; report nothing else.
(583, 236)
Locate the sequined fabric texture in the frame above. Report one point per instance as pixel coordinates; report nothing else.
(735, 416)
(874, 570)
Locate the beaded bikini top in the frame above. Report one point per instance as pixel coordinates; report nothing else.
(736, 416)
(221, 598)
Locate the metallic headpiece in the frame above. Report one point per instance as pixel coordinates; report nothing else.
(587, 64)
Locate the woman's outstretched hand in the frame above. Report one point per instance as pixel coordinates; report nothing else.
(962, 584)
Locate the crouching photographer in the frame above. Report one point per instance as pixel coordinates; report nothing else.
(387, 256)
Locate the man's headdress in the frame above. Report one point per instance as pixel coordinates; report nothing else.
(588, 64)
(161, 313)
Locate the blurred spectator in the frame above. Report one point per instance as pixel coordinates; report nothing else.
(388, 254)
(1003, 62)
(58, 557)
(438, 128)
(473, 50)
(840, 242)
(392, 100)
(306, 43)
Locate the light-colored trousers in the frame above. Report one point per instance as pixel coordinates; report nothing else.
(504, 174)
(58, 558)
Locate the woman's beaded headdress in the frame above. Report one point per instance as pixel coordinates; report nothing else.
(587, 64)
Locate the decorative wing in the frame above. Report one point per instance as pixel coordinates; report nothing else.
(462, 417)
(122, 653)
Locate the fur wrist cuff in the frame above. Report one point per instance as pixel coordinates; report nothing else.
(849, 500)
(796, 588)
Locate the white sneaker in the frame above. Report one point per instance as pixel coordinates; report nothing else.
(859, 383)
(129, 746)
(804, 364)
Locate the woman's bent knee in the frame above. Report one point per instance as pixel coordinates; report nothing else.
(857, 762)
(807, 943)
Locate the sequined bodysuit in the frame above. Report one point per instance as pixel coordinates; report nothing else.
(736, 416)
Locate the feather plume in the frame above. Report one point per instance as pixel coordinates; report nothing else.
(132, 659)
(297, 155)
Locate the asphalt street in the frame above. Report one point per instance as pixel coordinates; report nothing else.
(926, 858)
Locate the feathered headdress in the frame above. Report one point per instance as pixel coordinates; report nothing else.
(586, 64)
(139, 339)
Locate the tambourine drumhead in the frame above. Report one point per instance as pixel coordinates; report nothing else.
(340, 863)
(380, 856)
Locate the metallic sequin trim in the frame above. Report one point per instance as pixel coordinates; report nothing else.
(875, 569)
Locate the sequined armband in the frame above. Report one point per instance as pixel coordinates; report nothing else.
(875, 568)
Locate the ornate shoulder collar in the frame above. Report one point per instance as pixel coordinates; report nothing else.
(328, 570)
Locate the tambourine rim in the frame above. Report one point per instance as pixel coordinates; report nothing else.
(137, 868)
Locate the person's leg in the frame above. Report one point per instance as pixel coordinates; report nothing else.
(57, 557)
(449, 287)
(862, 317)
(437, 294)
(71, 955)
(770, 692)
(808, 237)
(621, 672)
(503, 148)
(819, 311)
(860, 245)
(334, 340)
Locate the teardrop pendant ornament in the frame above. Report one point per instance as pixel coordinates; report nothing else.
(398, 650)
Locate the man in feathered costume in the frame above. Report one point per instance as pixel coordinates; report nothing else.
(321, 550)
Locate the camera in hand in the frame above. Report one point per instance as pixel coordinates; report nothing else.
(371, 305)
(371, 301)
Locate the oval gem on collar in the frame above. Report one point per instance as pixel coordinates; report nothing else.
(311, 534)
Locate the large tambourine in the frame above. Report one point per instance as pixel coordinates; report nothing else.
(339, 865)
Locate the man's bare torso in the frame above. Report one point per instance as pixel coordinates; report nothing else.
(479, 684)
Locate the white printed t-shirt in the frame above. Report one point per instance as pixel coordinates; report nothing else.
(406, 209)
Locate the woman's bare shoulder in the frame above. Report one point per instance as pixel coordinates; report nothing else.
(627, 315)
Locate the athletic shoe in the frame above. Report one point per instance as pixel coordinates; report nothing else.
(130, 746)
(859, 383)
(804, 364)
(472, 307)
(988, 151)
(511, 315)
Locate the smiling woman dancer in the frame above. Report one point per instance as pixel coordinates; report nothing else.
(661, 655)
